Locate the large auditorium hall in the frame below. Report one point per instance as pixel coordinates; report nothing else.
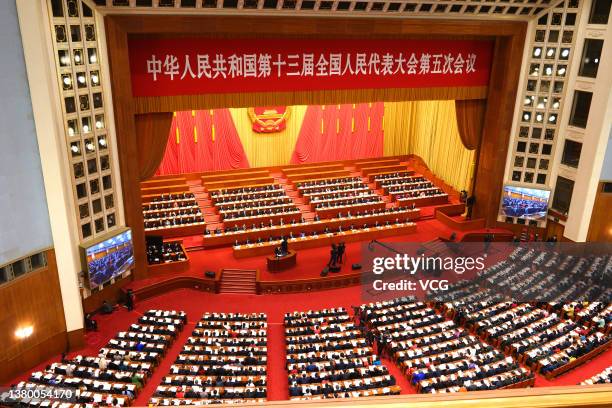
(395, 203)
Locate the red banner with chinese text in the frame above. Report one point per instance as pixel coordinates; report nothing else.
(163, 67)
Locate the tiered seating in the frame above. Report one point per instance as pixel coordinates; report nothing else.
(603, 320)
(376, 169)
(409, 189)
(117, 374)
(262, 232)
(538, 337)
(251, 207)
(301, 169)
(330, 193)
(366, 163)
(396, 179)
(237, 194)
(168, 212)
(318, 238)
(165, 253)
(605, 377)
(317, 174)
(548, 276)
(224, 361)
(217, 176)
(333, 197)
(236, 178)
(436, 354)
(328, 357)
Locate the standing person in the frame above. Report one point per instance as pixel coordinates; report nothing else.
(487, 242)
(129, 303)
(284, 247)
(341, 249)
(469, 203)
(333, 256)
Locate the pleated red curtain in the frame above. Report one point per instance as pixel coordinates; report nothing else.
(470, 120)
(151, 135)
(340, 132)
(202, 141)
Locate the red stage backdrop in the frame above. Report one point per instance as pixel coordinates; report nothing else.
(202, 141)
(161, 67)
(340, 132)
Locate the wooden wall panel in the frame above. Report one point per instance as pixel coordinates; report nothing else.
(112, 294)
(32, 299)
(554, 228)
(491, 161)
(501, 92)
(600, 228)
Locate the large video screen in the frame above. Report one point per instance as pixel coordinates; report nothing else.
(526, 203)
(109, 258)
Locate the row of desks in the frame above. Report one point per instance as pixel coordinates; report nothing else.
(155, 182)
(164, 189)
(380, 182)
(275, 218)
(374, 162)
(314, 196)
(243, 182)
(178, 230)
(267, 248)
(228, 238)
(424, 201)
(309, 169)
(377, 170)
(334, 211)
(232, 176)
(316, 175)
(341, 182)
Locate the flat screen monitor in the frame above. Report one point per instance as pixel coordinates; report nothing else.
(107, 258)
(525, 203)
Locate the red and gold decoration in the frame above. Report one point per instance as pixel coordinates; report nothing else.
(180, 66)
(269, 119)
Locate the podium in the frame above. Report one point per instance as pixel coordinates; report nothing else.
(276, 264)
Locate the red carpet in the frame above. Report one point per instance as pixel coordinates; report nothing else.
(196, 302)
(309, 263)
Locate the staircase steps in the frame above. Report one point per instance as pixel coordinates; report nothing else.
(211, 217)
(238, 281)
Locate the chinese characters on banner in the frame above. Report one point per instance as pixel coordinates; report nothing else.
(198, 66)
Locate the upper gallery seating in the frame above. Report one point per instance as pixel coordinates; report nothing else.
(300, 169)
(436, 354)
(376, 162)
(117, 374)
(317, 237)
(348, 207)
(254, 205)
(224, 361)
(171, 211)
(317, 228)
(332, 197)
(407, 188)
(328, 357)
(257, 207)
(216, 180)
